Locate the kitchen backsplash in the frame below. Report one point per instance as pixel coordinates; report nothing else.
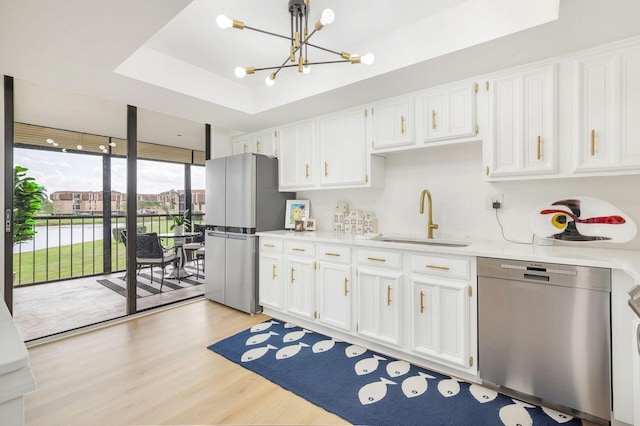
(453, 175)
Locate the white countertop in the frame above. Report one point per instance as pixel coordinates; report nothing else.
(16, 377)
(575, 254)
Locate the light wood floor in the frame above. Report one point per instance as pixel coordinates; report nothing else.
(157, 370)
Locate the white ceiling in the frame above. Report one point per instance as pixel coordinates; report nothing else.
(172, 61)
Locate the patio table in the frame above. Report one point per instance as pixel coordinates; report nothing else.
(178, 271)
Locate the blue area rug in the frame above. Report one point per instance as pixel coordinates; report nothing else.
(364, 387)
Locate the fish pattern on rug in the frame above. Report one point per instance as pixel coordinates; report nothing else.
(365, 387)
(146, 287)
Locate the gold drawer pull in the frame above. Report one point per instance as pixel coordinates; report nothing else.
(433, 119)
(444, 268)
(376, 259)
(306, 170)
(258, 146)
(402, 120)
(326, 169)
(298, 249)
(245, 147)
(268, 245)
(346, 282)
(273, 271)
(332, 254)
(539, 147)
(292, 278)
(593, 143)
(422, 302)
(388, 295)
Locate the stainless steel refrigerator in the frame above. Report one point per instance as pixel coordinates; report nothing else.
(242, 198)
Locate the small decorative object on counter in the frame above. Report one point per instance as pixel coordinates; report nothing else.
(354, 223)
(298, 226)
(296, 210)
(370, 223)
(310, 224)
(339, 216)
(582, 219)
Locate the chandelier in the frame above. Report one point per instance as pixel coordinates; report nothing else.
(299, 38)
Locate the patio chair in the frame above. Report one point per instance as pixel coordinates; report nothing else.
(149, 252)
(199, 257)
(195, 244)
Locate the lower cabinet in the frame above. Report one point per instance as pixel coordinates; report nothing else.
(419, 305)
(380, 305)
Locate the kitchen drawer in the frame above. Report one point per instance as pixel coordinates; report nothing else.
(380, 258)
(451, 267)
(268, 244)
(299, 249)
(338, 254)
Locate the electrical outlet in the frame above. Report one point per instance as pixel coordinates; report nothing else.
(493, 198)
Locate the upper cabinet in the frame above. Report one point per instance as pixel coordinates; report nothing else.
(606, 109)
(297, 168)
(393, 123)
(522, 123)
(450, 112)
(343, 153)
(241, 144)
(264, 142)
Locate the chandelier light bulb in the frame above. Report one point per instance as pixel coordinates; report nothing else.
(270, 80)
(306, 69)
(367, 59)
(240, 72)
(224, 22)
(327, 17)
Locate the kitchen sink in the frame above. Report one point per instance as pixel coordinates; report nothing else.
(422, 241)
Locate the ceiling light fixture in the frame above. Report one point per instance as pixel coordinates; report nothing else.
(299, 38)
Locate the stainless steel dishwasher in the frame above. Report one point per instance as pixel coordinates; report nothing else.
(544, 331)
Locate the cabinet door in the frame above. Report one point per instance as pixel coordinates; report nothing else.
(263, 143)
(441, 319)
(594, 132)
(296, 157)
(241, 145)
(343, 149)
(271, 281)
(300, 284)
(630, 113)
(334, 295)
(450, 113)
(380, 305)
(393, 123)
(523, 124)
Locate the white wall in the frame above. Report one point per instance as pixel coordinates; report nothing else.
(453, 174)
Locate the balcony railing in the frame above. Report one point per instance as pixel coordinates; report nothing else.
(67, 247)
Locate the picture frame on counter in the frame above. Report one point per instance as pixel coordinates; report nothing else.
(310, 224)
(297, 210)
(298, 226)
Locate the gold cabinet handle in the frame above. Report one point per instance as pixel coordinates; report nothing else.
(539, 147)
(292, 271)
(268, 245)
(422, 302)
(486, 170)
(346, 289)
(444, 268)
(388, 295)
(433, 119)
(306, 170)
(402, 120)
(258, 146)
(593, 143)
(245, 147)
(326, 169)
(376, 259)
(332, 254)
(298, 249)
(273, 271)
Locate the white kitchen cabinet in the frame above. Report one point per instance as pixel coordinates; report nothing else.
(271, 274)
(441, 302)
(241, 144)
(297, 165)
(606, 110)
(393, 123)
(380, 296)
(523, 125)
(265, 142)
(343, 153)
(450, 112)
(334, 286)
(300, 280)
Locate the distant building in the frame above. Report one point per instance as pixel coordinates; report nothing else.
(90, 203)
